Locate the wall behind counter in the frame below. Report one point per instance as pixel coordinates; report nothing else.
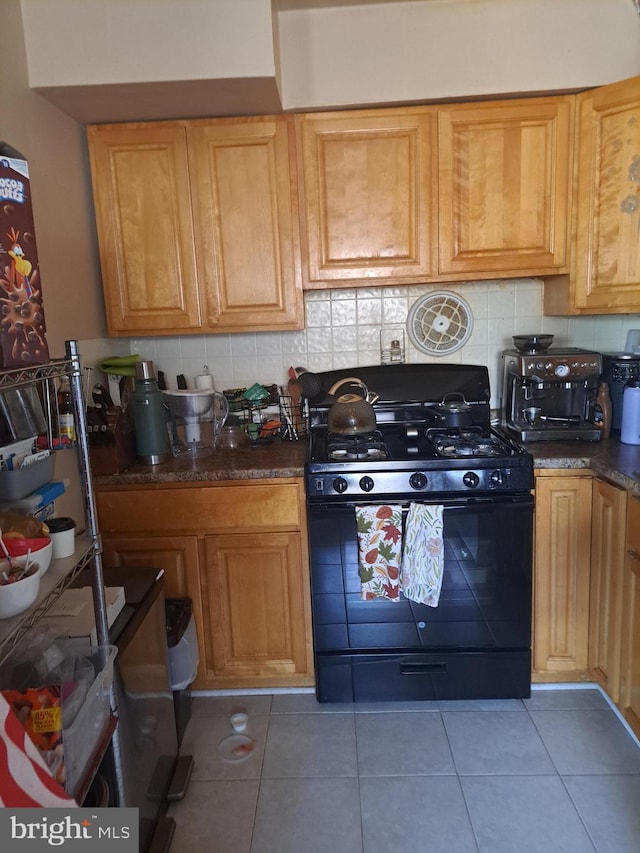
(343, 330)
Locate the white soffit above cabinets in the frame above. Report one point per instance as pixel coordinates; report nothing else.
(125, 60)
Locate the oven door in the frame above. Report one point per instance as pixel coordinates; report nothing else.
(484, 608)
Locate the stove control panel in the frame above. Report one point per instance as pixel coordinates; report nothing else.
(453, 482)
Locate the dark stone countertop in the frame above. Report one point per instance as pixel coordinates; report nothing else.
(617, 462)
(259, 462)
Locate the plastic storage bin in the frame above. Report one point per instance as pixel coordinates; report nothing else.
(15, 485)
(81, 736)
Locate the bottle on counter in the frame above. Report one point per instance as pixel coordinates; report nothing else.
(602, 414)
(630, 431)
(149, 417)
(66, 420)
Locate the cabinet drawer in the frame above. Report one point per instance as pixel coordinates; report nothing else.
(221, 508)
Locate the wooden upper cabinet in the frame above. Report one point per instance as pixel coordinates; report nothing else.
(145, 230)
(607, 263)
(197, 225)
(246, 218)
(504, 186)
(366, 181)
(605, 267)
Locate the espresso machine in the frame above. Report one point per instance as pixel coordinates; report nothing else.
(549, 395)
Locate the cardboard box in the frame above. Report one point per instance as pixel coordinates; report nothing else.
(23, 339)
(72, 614)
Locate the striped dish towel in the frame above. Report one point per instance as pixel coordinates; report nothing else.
(423, 557)
(379, 550)
(25, 780)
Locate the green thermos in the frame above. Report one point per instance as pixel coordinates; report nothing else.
(149, 417)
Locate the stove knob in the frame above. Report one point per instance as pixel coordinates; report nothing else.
(340, 485)
(366, 484)
(418, 481)
(471, 479)
(497, 478)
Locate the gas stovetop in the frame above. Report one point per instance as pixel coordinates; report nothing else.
(414, 461)
(406, 455)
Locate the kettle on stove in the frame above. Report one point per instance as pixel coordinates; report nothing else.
(352, 414)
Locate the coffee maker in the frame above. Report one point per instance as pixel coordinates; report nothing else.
(549, 395)
(618, 368)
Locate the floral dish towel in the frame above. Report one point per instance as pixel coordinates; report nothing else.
(379, 550)
(423, 558)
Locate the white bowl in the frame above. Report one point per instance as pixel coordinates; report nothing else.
(41, 551)
(17, 597)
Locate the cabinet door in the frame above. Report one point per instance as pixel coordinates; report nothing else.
(366, 195)
(608, 526)
(145, 231)
(178, 556)
(607, 258)
(246, 218)
(561, 577)
(630, 675)
(257, 587)
(504, 186)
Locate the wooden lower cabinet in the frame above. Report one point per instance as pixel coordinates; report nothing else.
(608, 525)
(177, 555)
(561, 575)
(629, 701)
(239, 551)
(256, 599)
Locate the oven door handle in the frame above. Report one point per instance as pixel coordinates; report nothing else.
(417, 668)
(523, 499)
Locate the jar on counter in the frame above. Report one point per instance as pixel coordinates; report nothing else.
(602, 415)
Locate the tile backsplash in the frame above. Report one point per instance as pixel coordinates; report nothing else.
(343, 330)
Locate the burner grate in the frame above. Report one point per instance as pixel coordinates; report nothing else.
(367, 446)
(465, 443)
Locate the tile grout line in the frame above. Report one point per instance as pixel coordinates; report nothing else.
(355, 733)
(264, 753)
(476, 840)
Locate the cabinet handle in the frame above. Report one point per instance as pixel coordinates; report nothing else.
(631, 552)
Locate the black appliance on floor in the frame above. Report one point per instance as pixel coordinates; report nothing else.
(433, 443)
(152, 772)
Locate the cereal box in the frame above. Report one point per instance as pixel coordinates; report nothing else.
(23, 339)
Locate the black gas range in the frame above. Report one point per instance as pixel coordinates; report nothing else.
(416, 449)
(476, 643)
